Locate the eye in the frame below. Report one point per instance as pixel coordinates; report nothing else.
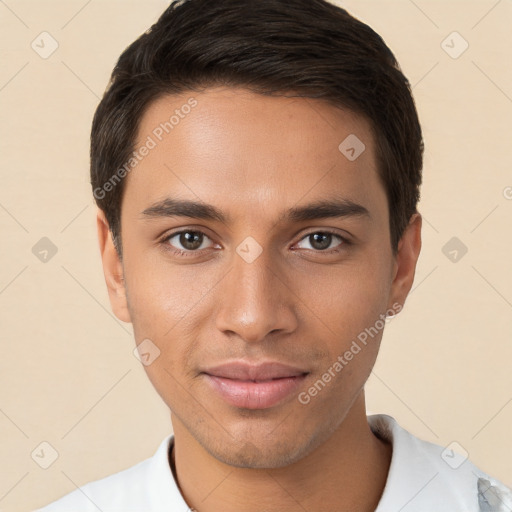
(186, 241)
(321, 241)
(191, 242)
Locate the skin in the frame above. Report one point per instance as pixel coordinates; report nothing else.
(254, 157)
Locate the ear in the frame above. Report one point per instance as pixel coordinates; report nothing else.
(112, 269)
(404, 267)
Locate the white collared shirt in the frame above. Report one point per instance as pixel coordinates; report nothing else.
(423, 477)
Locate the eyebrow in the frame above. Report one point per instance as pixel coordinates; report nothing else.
(322, 209)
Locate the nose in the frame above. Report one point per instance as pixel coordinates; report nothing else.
(255, 300)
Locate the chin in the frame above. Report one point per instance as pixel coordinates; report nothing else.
(249, 456)
(264, 451)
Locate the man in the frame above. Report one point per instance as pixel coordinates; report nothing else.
(257, 164)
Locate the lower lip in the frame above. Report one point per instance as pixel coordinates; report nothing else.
(255, 395)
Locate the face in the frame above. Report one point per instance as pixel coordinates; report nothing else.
(247, 289)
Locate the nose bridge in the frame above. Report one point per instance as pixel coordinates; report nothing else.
(254, 299)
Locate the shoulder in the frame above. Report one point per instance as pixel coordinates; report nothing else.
(424, 476)
(148, 485)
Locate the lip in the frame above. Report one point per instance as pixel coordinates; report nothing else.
(252, 386)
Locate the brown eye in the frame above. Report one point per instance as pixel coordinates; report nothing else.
(186, 240)
(322, 241)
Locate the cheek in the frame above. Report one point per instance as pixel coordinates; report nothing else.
(161, 294)
(349, 323)
(167, 306)
(347, 298)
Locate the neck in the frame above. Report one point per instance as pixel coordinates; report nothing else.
(347, 472)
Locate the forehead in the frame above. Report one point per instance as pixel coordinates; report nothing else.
(228, 145)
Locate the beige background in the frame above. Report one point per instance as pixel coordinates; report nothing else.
(67, 372)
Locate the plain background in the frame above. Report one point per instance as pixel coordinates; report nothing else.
(68, 375)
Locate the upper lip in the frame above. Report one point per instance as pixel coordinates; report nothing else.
(261, 371)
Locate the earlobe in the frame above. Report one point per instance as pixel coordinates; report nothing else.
(112, 269)
(409, 249)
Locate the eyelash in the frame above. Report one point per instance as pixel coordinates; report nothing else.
(188, 253)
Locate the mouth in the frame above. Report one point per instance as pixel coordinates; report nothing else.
(254, 386)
